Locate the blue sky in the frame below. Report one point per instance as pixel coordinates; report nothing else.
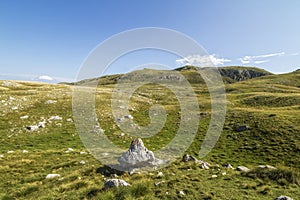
(52, 38)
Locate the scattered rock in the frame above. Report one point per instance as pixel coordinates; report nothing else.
(181, 193)
(227, 166)
(32, 128)
(24, 151)
(11, 151)
(55, 118)
(128, 117)
(24, 117)
(83, 152)
(50, 102)
(115, 183)
(138, 156)
(160, 174)
(42, 124)
(15, 108)
(52, 176)
(266, 167)
(69, 150)
(1, 156)
(241, 128)
(82, 162)
(69, 120)
(214, 176)
(283, 198)
(204, 165)
(187, 158)
(223, 173)
(11, 99)
(242, 169)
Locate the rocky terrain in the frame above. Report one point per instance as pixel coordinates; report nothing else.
(256, 157)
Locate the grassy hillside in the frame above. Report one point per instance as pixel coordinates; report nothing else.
(269, 106)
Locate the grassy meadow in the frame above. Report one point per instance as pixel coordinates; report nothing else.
(268, 105)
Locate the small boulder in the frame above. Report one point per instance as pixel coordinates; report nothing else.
(32, 128)
(24, 117)
(52, 176)
(227, 166)
(266, 167)
(241, 128)
(242, 169)
(115, 183)
(187, 158)
(181, 193)
(283, 198)
(204, 165)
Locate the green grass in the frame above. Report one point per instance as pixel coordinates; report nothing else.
(269, 106)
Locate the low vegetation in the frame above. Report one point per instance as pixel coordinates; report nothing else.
(269, 106)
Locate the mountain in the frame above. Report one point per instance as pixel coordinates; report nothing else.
(229, 74)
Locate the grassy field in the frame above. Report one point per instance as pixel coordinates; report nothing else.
(269, 106)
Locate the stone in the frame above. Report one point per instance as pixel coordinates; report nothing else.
(138, 156)
(283, 198)
(214, 176)
(52, 176)
(181, 193)
(82, 162)
(24, 151)
(188, 158)
(42, 124)
(32, 128)
(11, 151)
(241, 128)
(227, 166)
(242, 169)
(69, 150)
(266, 167)
(50, 102)
(55, 118)
(115, 183)
(24, 117)
(204, 165)
(160, 174)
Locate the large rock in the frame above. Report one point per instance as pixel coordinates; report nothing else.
(138, 156)
(115, 183)
(283, 198)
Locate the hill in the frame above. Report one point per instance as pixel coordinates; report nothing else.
(267, 106)
(229, 74)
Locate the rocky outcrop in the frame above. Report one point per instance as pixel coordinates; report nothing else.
(241, 74)
(138, 156)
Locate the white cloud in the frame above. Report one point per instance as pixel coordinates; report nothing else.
(294, 54)
(202, 60)
(46, 78)
(256, 59)
(261, 61)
